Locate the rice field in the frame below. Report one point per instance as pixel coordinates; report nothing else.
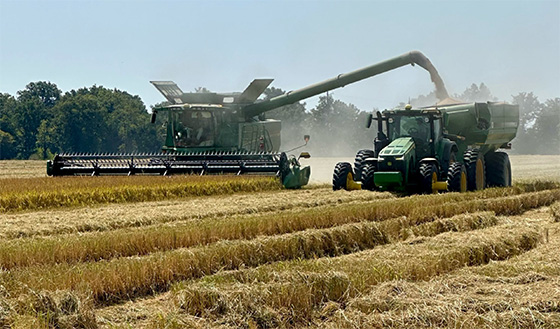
(240, 252)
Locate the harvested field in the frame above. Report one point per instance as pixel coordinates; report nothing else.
(230, 252)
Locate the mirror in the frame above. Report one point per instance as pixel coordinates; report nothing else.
(369, 119)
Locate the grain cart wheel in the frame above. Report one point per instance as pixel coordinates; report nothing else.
(359, 162)
(498, 169)
(428, 175)
(476, 170)
(457, 177)
(340, 176)
(367, 176)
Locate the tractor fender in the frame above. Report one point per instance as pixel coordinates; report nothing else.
(370, 160)
(429, 160)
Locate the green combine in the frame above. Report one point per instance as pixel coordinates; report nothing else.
(451, 147)
(212, 133)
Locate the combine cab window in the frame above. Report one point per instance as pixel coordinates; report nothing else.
(194, 128)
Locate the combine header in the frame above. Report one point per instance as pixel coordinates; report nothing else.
(210, 133)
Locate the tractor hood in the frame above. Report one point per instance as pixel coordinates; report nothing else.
(393, 163)
(398, 148)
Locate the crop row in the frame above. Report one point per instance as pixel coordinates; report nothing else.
(128, 277)
(142, 241)
(291, 292)
(521, 292)
(119, 216)
(81, 192)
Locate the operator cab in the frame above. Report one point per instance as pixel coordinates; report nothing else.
(194, 128)
(423, 126)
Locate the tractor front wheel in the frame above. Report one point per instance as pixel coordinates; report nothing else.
(340, 175)
(428, 175)
(367, 176)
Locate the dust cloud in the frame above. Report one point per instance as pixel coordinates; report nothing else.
(322, 168)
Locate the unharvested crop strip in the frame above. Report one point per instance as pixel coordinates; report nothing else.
(73, 197)
(118, 216)
(106, 245)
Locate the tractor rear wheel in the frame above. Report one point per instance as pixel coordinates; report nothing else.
(428, 174)
(359, 162)
(367, 176)
(499, 169)
(476, 170)
(340, 175)
(457, 177)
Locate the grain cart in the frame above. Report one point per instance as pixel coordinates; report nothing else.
(449, 147)
(225, 133)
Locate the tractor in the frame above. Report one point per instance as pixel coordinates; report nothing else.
(451, 147)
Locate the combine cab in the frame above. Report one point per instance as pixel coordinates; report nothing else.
(225, 133)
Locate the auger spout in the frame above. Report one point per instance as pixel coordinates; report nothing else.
(412, 58)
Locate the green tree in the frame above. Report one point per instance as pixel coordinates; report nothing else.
(7, 128)
(339, 128)
(46, 92)
(97, 119)
(530, 109)
(547, 127)
(34, 105)
(476, 93)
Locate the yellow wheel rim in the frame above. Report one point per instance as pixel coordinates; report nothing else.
(463, 182)
(479, 174)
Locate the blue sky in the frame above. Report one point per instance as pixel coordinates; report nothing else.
(511, 46)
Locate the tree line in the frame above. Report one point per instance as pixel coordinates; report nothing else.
(41, 120)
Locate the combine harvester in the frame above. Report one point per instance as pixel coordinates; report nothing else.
(211, 133)
(447, 147)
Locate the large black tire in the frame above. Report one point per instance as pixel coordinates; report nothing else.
(498, 169)
(340, 175)
(476, 170)
(284, 167)
(426, 177)
(359, 162)
(367, 176)
(457, 177)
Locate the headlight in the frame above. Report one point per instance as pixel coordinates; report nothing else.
(400, 159)
(380, 159)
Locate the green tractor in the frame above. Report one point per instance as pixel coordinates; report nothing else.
(440, 148)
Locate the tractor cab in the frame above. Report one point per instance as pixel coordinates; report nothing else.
(421, 127)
